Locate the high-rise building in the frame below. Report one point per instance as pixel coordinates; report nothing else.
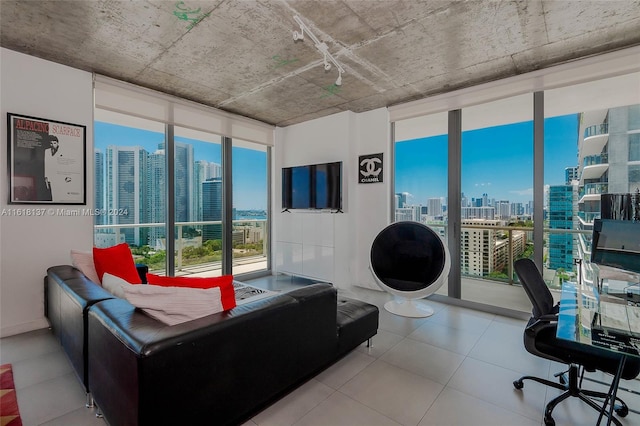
(571, 174)
(401, 199)
(212, 208)
(405, 213)
(562, 206)
(486, 213)
(202, 170)
(608, 163)
(434, 207)
(98, 165)
(126, 190)
(184, 182)
(503, 209)
(485, 250)
(156, 200)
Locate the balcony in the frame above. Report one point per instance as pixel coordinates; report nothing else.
(503, 289)
(595, 138)
(592, 191)
(596, 130)
(194, 256)
(593, 167)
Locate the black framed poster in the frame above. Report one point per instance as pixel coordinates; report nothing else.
(370, 168)
(46, 161)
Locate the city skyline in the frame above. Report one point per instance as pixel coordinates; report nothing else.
(502, 168)
(250, 168)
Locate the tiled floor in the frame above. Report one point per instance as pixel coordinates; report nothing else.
(454, 368)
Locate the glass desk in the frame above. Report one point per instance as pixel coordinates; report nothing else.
(595, 318)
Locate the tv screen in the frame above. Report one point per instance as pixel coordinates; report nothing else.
(316, 186)
(616, 243)
(296, 187)
(328, 186)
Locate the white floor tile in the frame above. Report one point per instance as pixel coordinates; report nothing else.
(454, 408)
(27, 345)
(502, 345)
(294, 406)
(381, 343)
(340, 410)
(463, 319)
(36, 370)
(345, 369)
(398, 394)
(426, 360)
(397, 324)
(51, 399)
(457, 340)
(494, 384)
(80, 417)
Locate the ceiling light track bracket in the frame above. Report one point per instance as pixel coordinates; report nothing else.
(322, 47)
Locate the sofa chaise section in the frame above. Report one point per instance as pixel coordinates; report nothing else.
(218, 369)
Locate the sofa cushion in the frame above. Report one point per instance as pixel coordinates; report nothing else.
(225, 283)
(116, 260)
(83, 261)
(174, 305)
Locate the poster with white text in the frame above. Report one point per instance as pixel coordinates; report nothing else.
(47, 161)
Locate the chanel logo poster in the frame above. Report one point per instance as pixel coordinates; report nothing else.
(370, 168)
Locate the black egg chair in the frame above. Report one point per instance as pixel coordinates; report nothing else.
(410, 261)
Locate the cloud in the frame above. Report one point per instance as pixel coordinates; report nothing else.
(483, 184)
(528, 191)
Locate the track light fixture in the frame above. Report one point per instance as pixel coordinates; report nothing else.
(321, 46)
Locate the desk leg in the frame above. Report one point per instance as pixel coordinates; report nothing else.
(613, 390)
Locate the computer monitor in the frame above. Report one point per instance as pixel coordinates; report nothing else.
(616, 245)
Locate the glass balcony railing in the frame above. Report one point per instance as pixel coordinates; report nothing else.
(506, 244)
(198, 245)
(589, 217)
(594, 189)
(592, 160)
(598, 129)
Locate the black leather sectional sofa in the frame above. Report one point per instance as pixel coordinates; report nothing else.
(219, 369)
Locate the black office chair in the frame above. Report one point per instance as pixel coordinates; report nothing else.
(540, 340)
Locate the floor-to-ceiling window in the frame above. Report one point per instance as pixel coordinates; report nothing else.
(198, 202)
(129, 186)
(592, 141)
(163, 180)
(250, 241)
(496, 212)
(586, 162)
(421, 162)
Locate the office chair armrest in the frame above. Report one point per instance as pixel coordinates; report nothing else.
(535, 325)
(548, 318)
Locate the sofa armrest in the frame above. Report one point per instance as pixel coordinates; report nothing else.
(316, 317)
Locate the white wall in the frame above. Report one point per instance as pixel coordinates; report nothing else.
(29, 245)
(325, 246)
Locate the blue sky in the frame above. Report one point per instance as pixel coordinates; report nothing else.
(249, 172)
(497, 161)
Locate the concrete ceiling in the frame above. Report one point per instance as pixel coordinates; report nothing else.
(240, 56)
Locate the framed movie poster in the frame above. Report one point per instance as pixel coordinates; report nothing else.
(46, 161)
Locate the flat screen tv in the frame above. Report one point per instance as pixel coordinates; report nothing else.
(315, 186)
(616, 244)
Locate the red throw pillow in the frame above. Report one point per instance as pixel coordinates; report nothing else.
(225, 282)
(117, 261)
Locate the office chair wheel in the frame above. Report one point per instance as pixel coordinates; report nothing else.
(548, 421)
(622, 410)
(518, 384)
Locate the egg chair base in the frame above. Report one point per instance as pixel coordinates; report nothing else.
(410, 308)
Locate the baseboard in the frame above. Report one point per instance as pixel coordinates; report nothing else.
(24, 327)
